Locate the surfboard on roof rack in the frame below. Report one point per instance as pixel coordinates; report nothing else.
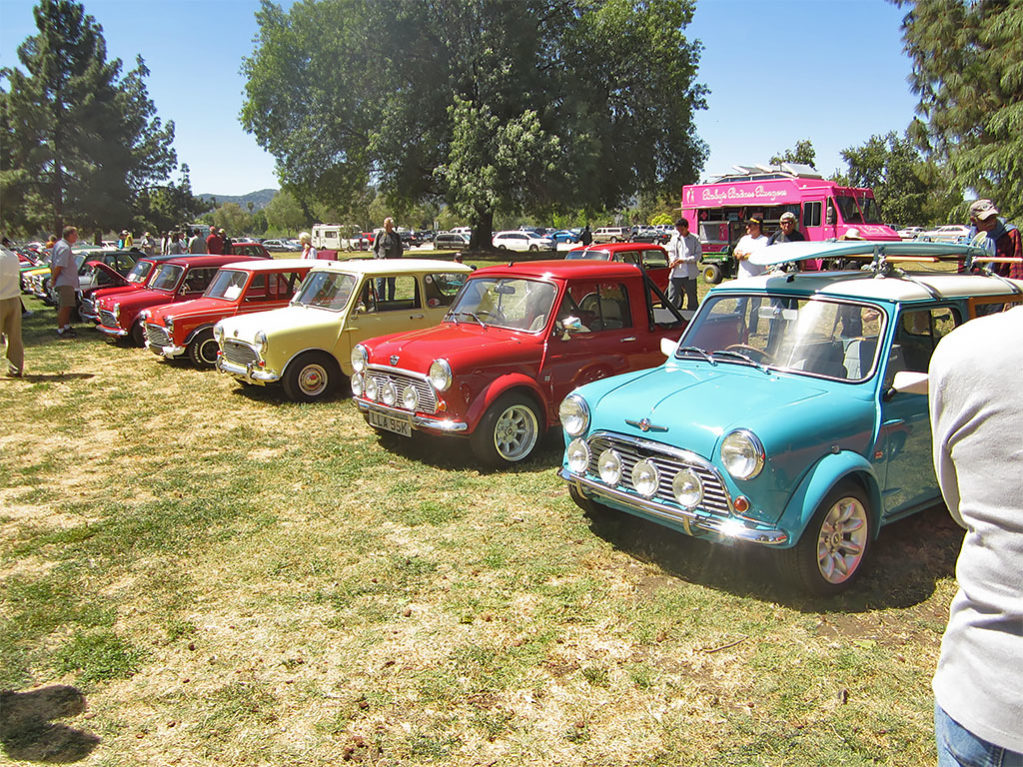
(920, 252)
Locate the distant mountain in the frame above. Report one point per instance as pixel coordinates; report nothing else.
(258, 199)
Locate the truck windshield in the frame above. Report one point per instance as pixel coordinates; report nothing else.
(821, 338)
(508, 303)
(862, 211)
(325, 290)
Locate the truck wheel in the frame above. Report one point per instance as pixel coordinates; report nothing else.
(312, 377)
(712, 274)
(833, 547)
(203, 350)
(508, 431)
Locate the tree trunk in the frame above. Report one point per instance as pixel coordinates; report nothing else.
(482, 237)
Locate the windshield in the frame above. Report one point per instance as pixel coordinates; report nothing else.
(139, 272)
(227, 285)
(590, 255)
(325, 290)
(516, 303)
(817, 337)
(862, 211)
(167, 277)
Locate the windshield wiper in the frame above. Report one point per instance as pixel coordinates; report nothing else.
(454, 315)
(696, 350)
(744, 357)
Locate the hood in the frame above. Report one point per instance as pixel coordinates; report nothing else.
(135, 299)
(194, 307)
(278, 322)
(466, 346)
(698, 403)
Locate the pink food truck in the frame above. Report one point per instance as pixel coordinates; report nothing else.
(824, 210)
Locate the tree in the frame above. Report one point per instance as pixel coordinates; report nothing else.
(166, 206)
(893, 168)
(232, 218)
(966, 58)
(284, 214)
(803, 153)
(79, 139)
(513, 107)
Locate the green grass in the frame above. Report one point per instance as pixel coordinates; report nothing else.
(233, 579)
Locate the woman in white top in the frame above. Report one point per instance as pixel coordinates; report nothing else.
(308, 251)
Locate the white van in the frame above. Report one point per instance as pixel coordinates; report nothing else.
(336, 237)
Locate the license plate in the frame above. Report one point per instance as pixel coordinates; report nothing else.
(398, 425)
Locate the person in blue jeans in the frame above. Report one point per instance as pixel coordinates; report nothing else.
(387, 244)
(976, 421)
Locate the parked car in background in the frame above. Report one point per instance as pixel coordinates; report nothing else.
(564, 235)
(649, 234)
(516, 341)
(909, 232)
(249, 248)
(952, 233)
(450, 241)
(653, 258)
(186, 327)
(307, 346)
(789, 414)
(121, 315)
(136, 278)
(521, 241)
(611, 234)
(277, 246)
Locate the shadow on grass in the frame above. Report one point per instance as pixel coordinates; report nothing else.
(41, 377)
(27, 732)
(903, 568)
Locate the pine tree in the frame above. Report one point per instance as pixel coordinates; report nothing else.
(81, 141)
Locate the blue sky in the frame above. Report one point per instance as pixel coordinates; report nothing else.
(832, 71)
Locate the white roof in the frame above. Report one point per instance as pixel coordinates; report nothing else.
(389, 266)
(266, 264)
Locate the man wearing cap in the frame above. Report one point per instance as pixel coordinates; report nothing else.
(996, 238)
(683, 255)
(787, 232)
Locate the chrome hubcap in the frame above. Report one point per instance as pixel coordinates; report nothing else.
(842, 540)
(515, 433)
(312, 380)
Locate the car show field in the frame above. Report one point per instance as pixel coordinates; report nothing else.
(231, 578)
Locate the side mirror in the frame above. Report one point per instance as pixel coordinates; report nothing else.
(568, 326)
(909, 382)
(668, 347)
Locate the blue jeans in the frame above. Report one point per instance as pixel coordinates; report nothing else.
(958, 747)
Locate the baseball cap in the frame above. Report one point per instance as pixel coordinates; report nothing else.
(982, 209)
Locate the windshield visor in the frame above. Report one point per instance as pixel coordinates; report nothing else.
(820, 338)
(325, 290)
(167, 277)
(516, 304)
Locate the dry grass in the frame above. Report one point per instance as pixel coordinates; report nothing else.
(234, 580)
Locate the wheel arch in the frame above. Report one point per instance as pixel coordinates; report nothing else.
(511, 383)
(197, 330)
(821, 480)
(303, 352)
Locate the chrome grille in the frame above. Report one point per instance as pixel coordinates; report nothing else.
(669, 461)
(427, 396)
(87, 308)
(157, 335)
(239, 353)
(107, 319)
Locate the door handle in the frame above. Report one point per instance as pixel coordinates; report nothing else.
(417, 316)
(628, 339)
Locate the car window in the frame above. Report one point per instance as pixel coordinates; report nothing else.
(514, 303)
(167, 276)
(227, 284)
(198, 279)
(655, 259)
(325, 290)
(390, 294)
(917, 332)
(441, 288)
(257, 288)
(592, 307)
(282, 284)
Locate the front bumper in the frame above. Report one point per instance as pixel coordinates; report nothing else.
(420, 422)
(250, 373)
(693, 523)
(170, 351)
(117, 332)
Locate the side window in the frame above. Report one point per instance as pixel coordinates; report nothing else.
(811, 214)
(917, 332)
(197, 280)
(391, 294)
(598, 305)
(257, 288)
(655, 259)
(442, 288)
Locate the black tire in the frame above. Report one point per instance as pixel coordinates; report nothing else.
(830, 554)
(137, 334)
(508, 432)
(502, 247)
(311, 377)
(533, 249)
(202, 351)
(712, 274)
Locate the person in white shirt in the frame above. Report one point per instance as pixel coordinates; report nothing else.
(10, 311)
(748, 244)
(683, 256)
(64, 279)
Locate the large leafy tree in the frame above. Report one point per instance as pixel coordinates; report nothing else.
(80, 141)
(164, 207)
(504, 106)
(968, 71)
(803, 152)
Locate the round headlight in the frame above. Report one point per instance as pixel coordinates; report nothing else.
(371, 388)
(742, 454)
(117, 311)
(578, 456)
(410, 398)
(218, 333)
(144, 315)
(169, 321)
(356, 385)
(440, 375)
(260, 339)
(645, 478)
(574, 414)
(359, 358)
(388, 393)
(609, 466)
(688, 489)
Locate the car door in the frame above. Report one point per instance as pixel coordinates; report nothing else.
(905, 432)
(374, 315)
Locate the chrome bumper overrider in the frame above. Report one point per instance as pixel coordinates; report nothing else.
(250, 373)
(118, 332)
(445, 426)
(693, 522)
(169, 351)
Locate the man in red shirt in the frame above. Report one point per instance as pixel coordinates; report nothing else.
(214, 243)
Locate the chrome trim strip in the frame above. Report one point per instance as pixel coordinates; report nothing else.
(418, 421)
(766, 537)
(400, 371)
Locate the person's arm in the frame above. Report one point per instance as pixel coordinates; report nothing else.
(943, 426)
